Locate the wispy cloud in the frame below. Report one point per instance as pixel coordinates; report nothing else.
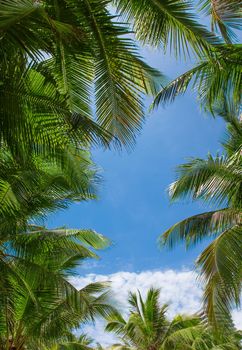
(180, 289)
(237, 317)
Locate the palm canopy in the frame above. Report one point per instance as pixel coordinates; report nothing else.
(60, 56)
(38, 304)
(168, 24)
(39, 186)
(148, 327)
(146, 324)
(73, 342)
(173, 24)
(218, 72)
(56, 58)
(218, 181)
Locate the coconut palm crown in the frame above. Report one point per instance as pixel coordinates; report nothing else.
(149, 328)
(216, 181)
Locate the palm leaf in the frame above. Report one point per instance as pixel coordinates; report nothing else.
(215, 180)
(221, 266)
(171, 23)
(195, 228)
(225, 16)
(199, 178)
(215, 78)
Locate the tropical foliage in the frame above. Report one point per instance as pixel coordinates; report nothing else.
(79, 52)
(73, 342)
(216, 77)
(40, 186)
(71, 76)
(225, 16)
(148, 327)
(56, 58)
(168, 24)
(38, 304)
(218, 181)
(217, 74)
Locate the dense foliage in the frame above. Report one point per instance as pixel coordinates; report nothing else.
(72, 77)
(149, 328)
(38, 305)
(218, 181)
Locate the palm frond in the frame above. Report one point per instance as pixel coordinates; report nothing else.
(170, 23)
(221, 264)
(225, 16)
(120, 76)
(38, 185)
(44, 306)
(176, 87)
(195, 228)
(215, 179)
(17, 20)
(183, 330)
(214, 78)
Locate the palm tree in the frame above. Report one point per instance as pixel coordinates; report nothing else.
(39, 186)
(215, 180)
(59, 56)
(147, 323)
(217, 72)
(38, 304)
(148, 328)
(82, 342)
(56, 58)
(168, 24)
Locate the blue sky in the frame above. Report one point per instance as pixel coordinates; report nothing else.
(134, 208)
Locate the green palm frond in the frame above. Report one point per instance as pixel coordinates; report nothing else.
(221, 267)
(40, 185)
(233, 140)
(183, 330)
(36, 262)
(120, 76)
(75, 79)
(225, 15)
(215, 181)
(214, 78)
(177, 86)
(121, 347)
(195, 228)
(43, 305)
(46, 122)
(17, 20)
(50, 252)
(83, 342)
(147, 327)
(62, 249)
(116, 323)
(170, 23)
(146, 323)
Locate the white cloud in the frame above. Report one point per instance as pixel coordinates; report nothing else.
(237, 317)
(96, 332)
(179, 289)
